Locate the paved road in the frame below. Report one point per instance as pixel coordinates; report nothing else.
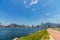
(51, 38)
(55, 34)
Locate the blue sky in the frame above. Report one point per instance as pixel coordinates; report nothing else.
(30, 12)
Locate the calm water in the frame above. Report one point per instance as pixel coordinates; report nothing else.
(11, 33)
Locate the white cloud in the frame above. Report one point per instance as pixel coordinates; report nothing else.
(34, 2)
(25, 2)
(47, 14)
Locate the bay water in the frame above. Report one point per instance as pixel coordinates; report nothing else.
(11, 33)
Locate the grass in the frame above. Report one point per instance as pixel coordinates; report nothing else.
(40, 35)
(57, 29)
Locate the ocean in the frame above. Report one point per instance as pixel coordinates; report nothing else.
(11, 33)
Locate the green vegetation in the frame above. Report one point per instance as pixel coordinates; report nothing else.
(57, 29)
(40, 35)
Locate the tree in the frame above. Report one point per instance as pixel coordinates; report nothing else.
(38, 26)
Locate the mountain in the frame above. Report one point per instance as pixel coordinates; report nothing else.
(44, 25)
(17, 26)
(49, 24)
(13, 26)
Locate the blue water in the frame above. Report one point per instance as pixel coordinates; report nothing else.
(11, 33)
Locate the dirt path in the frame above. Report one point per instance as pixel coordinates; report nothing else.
(55, 34)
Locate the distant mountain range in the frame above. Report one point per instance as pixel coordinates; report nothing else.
(47, 24)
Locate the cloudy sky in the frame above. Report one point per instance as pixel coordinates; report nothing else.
(29, 11)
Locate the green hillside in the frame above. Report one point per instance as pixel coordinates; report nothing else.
(40, 35)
